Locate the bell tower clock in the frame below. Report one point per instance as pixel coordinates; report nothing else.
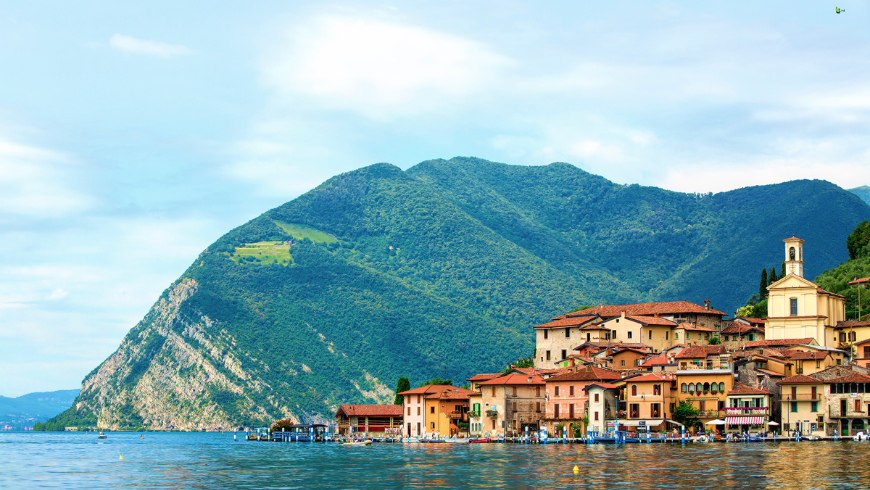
(794, 256)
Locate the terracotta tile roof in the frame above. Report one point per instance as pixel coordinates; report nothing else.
(852, 324)
(862, 342)
(647, 309)
(588, 373)
(822, 291)
(602, 385)
(863, 280)
(620, 350)
(770, 373)
(658, 378)
(427, 389)
(650, 320)
(740, 329)
(800, 355)
(851, 378)
(741, 389)
(800, 379)
(514, 379)
(656, 361)
(776, 342)
(605, 345)
(484, 377)
(695, 327)
(701, 351)
(754, 321)
(594, 327)
(778, 359)
(371, 410)
(568, 321)
(454, 394)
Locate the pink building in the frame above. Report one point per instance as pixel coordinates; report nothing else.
(566, 398)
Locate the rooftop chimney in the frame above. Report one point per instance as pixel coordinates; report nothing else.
(706, 304)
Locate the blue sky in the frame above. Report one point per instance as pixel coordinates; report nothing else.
(132, 136)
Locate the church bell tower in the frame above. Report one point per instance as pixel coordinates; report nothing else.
(794, 256)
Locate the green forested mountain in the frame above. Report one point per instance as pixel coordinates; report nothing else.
(858, 266)
(25, 410)
(439, 270)
(863, 192)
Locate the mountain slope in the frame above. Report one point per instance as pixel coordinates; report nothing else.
(440, 270)
(34, 407)
(863, 192)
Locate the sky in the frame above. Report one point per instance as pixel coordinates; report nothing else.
(134, 134)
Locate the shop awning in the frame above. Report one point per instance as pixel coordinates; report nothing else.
(637, 422)
(744, 420)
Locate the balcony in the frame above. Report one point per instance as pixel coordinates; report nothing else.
(709, 413)
(492, 413)
(474, 413)
(849, 415)
(747, 411)
(801, 397)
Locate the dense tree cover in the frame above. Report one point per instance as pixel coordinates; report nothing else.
(862, 192)
(404, 384)
(445, 267)
(837, 279)
(437, 381)
(687, 414)
(858, 242)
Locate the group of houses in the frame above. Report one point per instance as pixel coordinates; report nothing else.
(802, 368)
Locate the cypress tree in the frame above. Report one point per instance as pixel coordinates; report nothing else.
(782, 270)
(403, 385)
(772, 276)
(762, 288)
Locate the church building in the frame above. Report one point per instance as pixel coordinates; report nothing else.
(799, 308)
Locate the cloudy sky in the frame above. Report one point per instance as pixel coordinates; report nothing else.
(133, 136)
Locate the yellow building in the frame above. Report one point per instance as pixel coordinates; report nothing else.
(706, 390)
(799, 308)
(447, 412)
(803, 406)
(650, 330)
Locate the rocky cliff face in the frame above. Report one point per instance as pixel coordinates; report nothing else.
(195, 370)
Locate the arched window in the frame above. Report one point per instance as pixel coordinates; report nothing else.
(714, 388)
(691, 388)
(633, 390)
(684, 388)
(706, 387)
(722, 387)
(791, 253)
(699, 387)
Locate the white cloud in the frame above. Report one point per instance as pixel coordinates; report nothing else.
(132, 45)
(38, 183)
(57, 294)
(377, 68)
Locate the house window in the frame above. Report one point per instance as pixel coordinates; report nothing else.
(537, 391)
(684, 388)
(409, 413)
(650, 334)
(667, 334)
(596, 398)
(537, 406)
(794, 406)
(556, 410)
(814, 406)
(564, 354)
(571, 411)
(493, 424)
(818, 364)
(596, 412)
(588, 337)
(548, 355)
(515, 391)
(793, 303)
(857, 405)
(571, 390)
(557, 390)
(546, 334)
(568, 332)
(493, 391)
(722, 387)
(431, 409)
(633, 390)
(613, 334)
(433, 425)
(676, 336)
(418, 398)
(418, 410)
(622, 362)
(629, 334)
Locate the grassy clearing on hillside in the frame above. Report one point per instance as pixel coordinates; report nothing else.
(301, 232)
(263, 253)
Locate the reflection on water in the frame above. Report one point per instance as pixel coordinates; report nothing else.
(71, 460)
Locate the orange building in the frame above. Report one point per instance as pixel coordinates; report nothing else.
(648, 400)
(446, 412)
(566, 398)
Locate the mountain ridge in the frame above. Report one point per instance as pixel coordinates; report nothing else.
(439, 270)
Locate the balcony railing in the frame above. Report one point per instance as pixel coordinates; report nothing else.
(849, 415)
(747, 411)
(474, 413)
(492, 413)
(709, 413)
(802, 397)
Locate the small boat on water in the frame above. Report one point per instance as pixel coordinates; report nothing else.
(410, 439)
(478, 441)
(357, 443)
(102, 436)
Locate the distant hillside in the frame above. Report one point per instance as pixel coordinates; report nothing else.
(35, 407)
(440, 270)
(863, 192)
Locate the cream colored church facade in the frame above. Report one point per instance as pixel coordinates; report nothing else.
(798, 308)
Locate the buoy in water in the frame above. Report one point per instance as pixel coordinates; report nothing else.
(120, 456)
(576, 469)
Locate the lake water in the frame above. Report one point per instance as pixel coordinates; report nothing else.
(70, 460)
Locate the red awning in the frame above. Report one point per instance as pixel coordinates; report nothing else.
(744, 420)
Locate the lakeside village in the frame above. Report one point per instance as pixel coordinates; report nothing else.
(656, 372)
